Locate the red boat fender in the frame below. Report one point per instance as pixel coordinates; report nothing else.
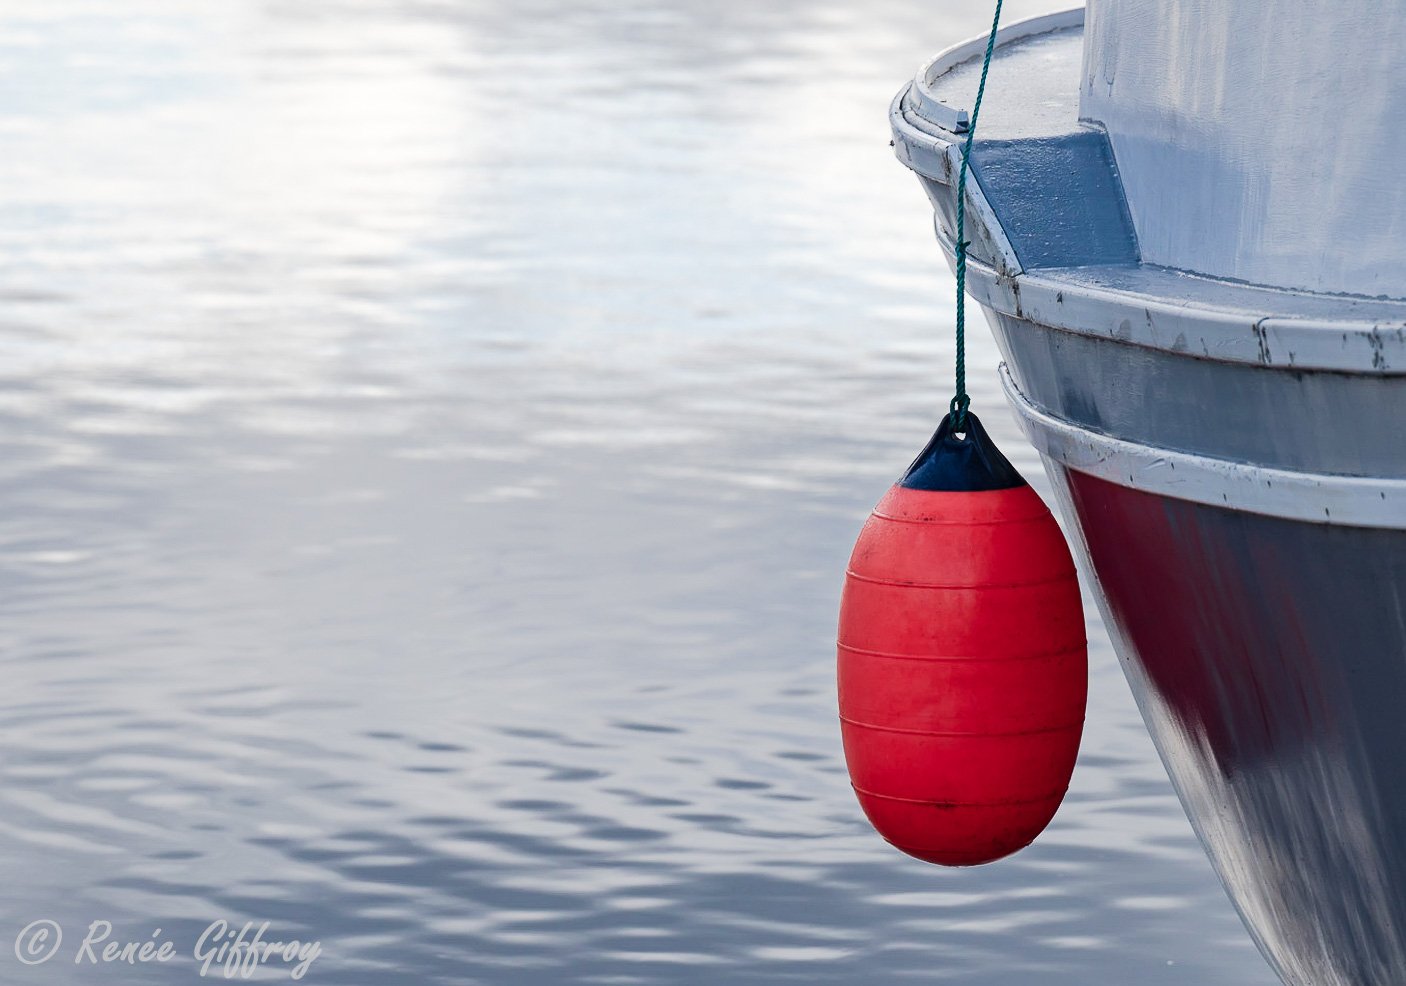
(963, 665)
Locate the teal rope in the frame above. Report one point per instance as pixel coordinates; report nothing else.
(960, 401)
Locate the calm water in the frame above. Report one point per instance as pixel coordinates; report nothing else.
(431, 436)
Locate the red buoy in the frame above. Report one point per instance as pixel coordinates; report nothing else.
(963, 667)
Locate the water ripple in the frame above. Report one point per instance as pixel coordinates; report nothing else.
(430, 437)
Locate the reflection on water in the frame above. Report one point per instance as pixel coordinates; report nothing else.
(432, 437)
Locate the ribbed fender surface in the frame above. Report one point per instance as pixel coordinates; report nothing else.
(962, 662)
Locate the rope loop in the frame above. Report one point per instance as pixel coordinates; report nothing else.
(958, 409)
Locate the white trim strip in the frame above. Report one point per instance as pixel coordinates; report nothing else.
(1314, 498)
(1347, 344)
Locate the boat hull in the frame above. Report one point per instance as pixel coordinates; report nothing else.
(1231, 461)
(1267, 654)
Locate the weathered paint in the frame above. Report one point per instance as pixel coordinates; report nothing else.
(1104, 291)
(1301, 421)
(1315, 498)
(1182, 313)
(1258, 141)
(1058, 198)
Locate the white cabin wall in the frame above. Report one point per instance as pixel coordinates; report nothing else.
(1259, 141)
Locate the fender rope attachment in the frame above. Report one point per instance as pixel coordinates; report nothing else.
(960, 400)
